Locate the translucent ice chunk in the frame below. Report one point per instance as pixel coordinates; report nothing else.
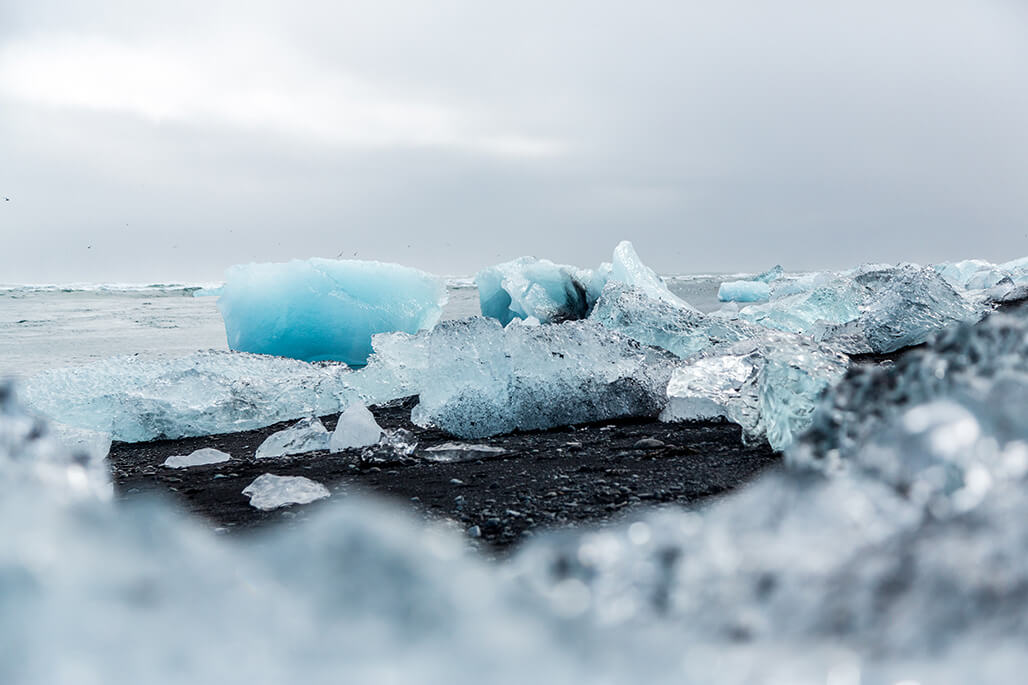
(200, 394)
(96, 444)
(538, 288)
(770, 386)
(271, 492)
(743, 291)
(771, 275)
(322, 309)
(200, 457)
(681, 330)
(307, 435)
(972, 274)
(627, 268)
(476, 378)
(460, 451)
(395, 445)
(356, 428)
(872, 309)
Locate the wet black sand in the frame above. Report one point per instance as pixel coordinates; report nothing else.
(547, 479)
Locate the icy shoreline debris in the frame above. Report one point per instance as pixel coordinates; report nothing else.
(356, 428)
(306, 435)
(200, 457)
(269, 491)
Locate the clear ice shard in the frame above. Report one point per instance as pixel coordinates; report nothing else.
(356, 428)
(476, 378)
(200, 457)
(135, 400)
(681, 330)
(460, 451)
(871, 309)
(973, 274)
(323, 309)
(770, 385)
(271, 492)
(530, 288)
(306, 435)
(743, 291)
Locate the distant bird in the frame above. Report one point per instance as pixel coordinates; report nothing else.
(89, 247)
(7, 199)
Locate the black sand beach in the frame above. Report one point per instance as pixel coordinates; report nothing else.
(547, 479)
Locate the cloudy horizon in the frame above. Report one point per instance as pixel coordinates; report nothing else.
(143, 142)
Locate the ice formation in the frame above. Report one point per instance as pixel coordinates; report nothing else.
(460, 451)
(96, 444)
(530, 287)
(743, 291)
(681, 330)
(205, 393)
(200, 457)
(321, 309)
(356, 428)
(539, 289)
(769, 385)
(396, 445)
(306, 435)
(271, 492)
(476, 378)
(973, 274)
(872, 309)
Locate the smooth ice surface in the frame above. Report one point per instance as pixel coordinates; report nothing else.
(871, 309)
(322, 309)
(743, 291)
(200, 457)
(660, 323)
(269, 491)
(769, 385)
(201, 394)
(476, 378)
(538, 288)
(460, 451)
(356, 428)
(627, 268)
(306, 435)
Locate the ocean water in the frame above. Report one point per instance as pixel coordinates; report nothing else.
(49, 326)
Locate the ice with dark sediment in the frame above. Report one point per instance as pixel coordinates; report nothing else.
(476, 378)
(269, 491)
(681, 330)
(200, 457)
(323, 309)
(871, 309)
(356, 427)
(530, 287)
(306, 435)
(537, 288)
(769, 385)
(136, 399)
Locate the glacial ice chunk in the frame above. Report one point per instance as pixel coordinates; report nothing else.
(871, 309)
(743, 291)
(271, 492)
(204, 393)
(770, 386)
(200, 457)
(96, 444)
(771, 275)
(396, 445)
(972, 274)
(323, 309)
(476, 378)
(356, 428)
(460, 451)
(530, 288)
(538, 288)
(680, 330)
(307, 435)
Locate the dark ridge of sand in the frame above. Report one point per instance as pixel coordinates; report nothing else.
(549, 479)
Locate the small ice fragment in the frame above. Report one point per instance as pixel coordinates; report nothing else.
(306, 435)
(206, 455)
(270, 491)
(460, 451)
(356, 428)
(743, 291)
(394, 445)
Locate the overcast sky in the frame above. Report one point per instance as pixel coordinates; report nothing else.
(165, 141)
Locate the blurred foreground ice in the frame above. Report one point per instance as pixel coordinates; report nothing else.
(891, 552)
